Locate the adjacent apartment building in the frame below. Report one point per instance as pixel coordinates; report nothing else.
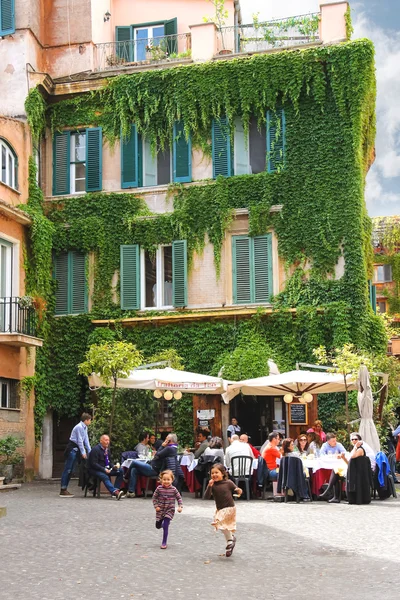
(204, 181)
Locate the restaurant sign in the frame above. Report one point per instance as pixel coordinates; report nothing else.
(186, 385)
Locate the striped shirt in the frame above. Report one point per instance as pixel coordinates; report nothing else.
(165, 498)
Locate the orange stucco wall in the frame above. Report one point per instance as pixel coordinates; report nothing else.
(16, 133)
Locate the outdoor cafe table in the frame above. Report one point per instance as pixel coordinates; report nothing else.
(141, 479)
(322, 468)
(188, 465)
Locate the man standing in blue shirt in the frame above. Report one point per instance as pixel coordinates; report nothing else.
(78, 445)
(331, 446)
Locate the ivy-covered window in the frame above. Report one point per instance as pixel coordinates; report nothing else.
(154, 280)
(383, 274)
(134, 42)
(140, 168)
(71, 286)
(7, 17)
(260, 148)
(372, 295)
(252, 269)
(77, 161)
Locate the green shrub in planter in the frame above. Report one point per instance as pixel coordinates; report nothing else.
(9, 456)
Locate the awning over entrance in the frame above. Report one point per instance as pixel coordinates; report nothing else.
(292, 382)
(166, 379)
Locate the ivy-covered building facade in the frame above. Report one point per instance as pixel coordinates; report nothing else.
(215, 207)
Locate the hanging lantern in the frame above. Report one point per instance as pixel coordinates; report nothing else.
(177, 395)
(157, 394)
(288, 398)
(168, 395)
(302, 400)
(308, 397)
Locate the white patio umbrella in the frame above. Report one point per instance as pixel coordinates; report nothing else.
(365, 399)
(293, 382)
(166, 379)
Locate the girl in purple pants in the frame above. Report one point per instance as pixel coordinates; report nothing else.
(164, 499)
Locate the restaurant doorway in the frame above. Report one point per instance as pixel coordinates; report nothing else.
(259, 415)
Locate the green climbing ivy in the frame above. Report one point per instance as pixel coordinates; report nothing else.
(328, 94)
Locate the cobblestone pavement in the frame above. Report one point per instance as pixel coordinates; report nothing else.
(87, 548)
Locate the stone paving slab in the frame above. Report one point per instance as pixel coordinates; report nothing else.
(87, 549)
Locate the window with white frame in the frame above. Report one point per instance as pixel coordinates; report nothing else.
(147, 37)
(9, 396)
(78, 162)
(382, 273)
(9, 165)
(156, 274)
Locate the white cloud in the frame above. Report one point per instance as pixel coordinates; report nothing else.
(380, 199)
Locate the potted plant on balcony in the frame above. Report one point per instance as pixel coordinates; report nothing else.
(9, 457)
(221, 14)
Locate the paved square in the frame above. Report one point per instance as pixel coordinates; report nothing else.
(87, 548)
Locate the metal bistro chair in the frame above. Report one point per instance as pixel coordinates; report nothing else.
(241, 469)
(93, 481)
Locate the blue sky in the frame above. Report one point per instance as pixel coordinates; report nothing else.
(379, 21)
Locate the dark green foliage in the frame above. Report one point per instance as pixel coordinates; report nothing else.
(328, 95)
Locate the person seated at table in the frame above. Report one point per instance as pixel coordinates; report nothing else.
(245, 439)
(314, 444)
(317, 428)
(152, 441)
(287, 447)
(358, 480)
(142, 448)
(237, 448)
(271, 454)
(301, 445)
(159, 442)
(331, 446)
(202, 442)
(215, 448)
(165, 458)
(101, 466)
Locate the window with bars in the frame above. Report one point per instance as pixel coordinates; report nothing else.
(9, 393)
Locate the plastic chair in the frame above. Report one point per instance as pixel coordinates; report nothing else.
(97, 485)
(241, 469)
(153, 477)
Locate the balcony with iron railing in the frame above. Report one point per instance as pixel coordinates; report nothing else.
(165, 49)
(261, 36)
(18, 322)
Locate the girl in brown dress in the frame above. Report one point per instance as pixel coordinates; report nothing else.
(221, 488)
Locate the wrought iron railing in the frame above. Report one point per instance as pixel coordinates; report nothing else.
(17, 316)
(168, 48)
(259, 36)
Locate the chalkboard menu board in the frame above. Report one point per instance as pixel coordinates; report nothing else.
(298, 414)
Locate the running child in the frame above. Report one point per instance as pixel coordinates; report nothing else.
(164, 502)
(222, 488)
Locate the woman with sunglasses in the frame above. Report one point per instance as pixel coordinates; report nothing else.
(301, 445)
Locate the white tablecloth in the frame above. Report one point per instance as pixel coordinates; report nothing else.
(195, 461)
(128, 461)
(325, 462)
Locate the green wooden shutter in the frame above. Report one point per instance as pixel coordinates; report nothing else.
(140, 160)
(61, 277)
(129, 160)
(242, 280)
(124, 46)
(61, 162)
(94, 142)
(372, 295)
(182, 151)
(77, 283)
(149, 165)
(241, 147)
(130, 277)
(171, 28)
(179, 273)
(221, 148)
(276, 140)
(262, 268)
(7, 17)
